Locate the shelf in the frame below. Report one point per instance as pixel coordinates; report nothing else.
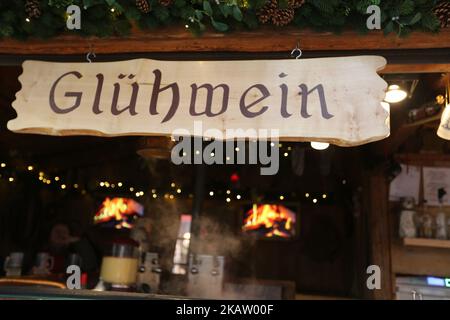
(421, 242)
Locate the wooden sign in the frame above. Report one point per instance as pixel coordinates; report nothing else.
(334, 100)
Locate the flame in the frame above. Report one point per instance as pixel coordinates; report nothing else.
(117, 209)
(271, 220)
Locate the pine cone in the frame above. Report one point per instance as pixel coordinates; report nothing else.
(165, 3)
(143, 6)
(266, 13)
(295, 4)
(271, 13)
(442, 11)
(32, 8)
(283, 17)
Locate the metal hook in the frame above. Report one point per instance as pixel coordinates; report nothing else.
(298, 51)
(90, 53)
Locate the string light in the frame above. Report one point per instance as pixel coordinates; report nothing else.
(75, 185)
(3, 165)
(307, 195)
(131, 189)
(173, 185)
(314, 200)
(30, 168)
(211, 193)
(178, 190)
(228, 191)
(324, 196)
(63, 186)
(281, 197)
(228, 199)
(56, 178)
(286, 154)
(154, 196)
(11, 179)
(238, 197)
(27, 20)
(119, 184)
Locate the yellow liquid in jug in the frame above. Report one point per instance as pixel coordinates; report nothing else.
(119, 270)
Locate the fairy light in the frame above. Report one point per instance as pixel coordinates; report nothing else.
(228, 191)
(75, 186)
(173, 184)
(178, 190)
(27, 20)
(63, 186)
(119, 184)
(171, 197)
(237, 149)
(228, 199)
(11, 179)
(324, 196)
(211, 193)
(30, 168)
(56, 178)
(238, 197)
(314, 200)
(281, 197)
(307, 195)
(3, 165)
(131, 189)
(286, 154)
(154, 196)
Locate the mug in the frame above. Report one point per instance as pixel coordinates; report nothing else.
(44, 263)
(13, 264)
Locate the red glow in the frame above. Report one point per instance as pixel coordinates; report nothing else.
(234, 178)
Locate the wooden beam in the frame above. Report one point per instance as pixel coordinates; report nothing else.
(378, 225)
(261, 40)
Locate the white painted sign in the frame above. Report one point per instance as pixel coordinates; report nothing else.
(336, 100)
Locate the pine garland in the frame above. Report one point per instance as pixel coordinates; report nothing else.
(104, 18)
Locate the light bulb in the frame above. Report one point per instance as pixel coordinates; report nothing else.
(319, 145)
(395, 94)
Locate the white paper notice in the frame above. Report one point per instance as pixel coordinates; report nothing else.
(406, 184)
(433, 180)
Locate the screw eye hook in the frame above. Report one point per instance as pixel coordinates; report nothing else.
(89, 55)
(297, 52)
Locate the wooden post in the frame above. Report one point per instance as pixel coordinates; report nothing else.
(378, 231)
